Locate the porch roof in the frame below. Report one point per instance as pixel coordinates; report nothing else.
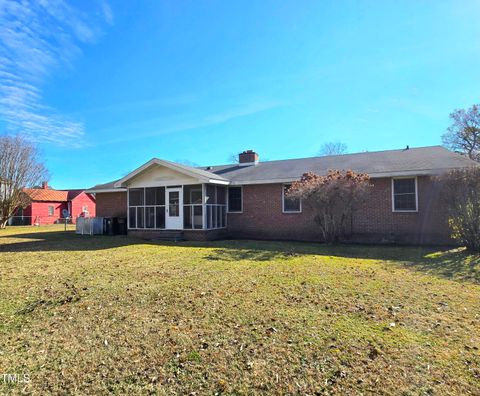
(201, 175)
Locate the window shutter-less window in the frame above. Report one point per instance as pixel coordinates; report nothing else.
(290, 204)
(235, 199)
(405, 195)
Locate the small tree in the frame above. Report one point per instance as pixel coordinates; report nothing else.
(20, 167)
(464, 133)
(461, 195)
(333, 148)
(333, 199)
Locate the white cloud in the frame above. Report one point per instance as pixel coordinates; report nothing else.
(107, 12)
(163, 126)
(36, 38)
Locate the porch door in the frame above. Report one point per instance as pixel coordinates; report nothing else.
(174, 208)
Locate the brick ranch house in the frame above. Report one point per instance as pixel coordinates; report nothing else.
(247, 200)
(47, 206)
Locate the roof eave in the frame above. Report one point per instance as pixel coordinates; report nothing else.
(105, 190)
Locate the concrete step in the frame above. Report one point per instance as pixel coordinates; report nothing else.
(169, 235)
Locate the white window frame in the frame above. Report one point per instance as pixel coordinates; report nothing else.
(53, 210)
(283, 201)
(393, 195)
(228, 199)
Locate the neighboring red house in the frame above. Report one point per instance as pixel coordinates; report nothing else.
(48, 206)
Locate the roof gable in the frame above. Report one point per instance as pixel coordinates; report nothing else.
(188, 171)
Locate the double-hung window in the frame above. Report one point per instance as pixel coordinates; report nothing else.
(404, 194)
(289, 204)
(235, 199)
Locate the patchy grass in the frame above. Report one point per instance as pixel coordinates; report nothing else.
(96, 315)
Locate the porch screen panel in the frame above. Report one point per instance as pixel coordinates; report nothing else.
(140, 217)
(150, 217)
(146, 208)
(221, 195)
(192, 206)
(216, 204)
(211, 195)
(187, 217)
(160, 217)
(155, 196)
(136, 197)
(132, 217)
(197, 217)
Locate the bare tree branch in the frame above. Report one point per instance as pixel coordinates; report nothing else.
(461, 195)
(464, 133)
(333, 148)
(20, 167)
(333, 199)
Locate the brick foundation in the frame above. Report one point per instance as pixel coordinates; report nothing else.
(204, 235)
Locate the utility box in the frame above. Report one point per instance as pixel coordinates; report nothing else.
(89, 225)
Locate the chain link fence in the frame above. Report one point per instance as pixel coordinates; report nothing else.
(37, 220)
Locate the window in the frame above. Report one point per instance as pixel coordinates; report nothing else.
(51, 210)
(404, 195)
(290, 205)
(235, 203)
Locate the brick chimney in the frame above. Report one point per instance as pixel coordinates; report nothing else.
(248, 157)
(45, 185)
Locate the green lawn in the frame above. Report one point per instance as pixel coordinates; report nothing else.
(93, 315)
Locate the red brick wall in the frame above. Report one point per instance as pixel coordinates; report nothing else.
(112, 204)
(377, 220)
(262, 217)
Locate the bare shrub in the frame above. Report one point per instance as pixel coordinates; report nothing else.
(333, 199)
(461, 194)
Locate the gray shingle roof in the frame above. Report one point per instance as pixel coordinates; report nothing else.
(414, 161)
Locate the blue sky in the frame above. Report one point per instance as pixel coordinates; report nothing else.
(102, 87)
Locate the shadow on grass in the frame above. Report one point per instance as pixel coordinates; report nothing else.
(446, 263)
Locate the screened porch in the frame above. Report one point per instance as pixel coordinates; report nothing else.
(179, 207)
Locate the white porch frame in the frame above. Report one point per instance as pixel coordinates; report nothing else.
(205, 221)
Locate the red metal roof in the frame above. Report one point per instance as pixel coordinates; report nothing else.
(42, 194)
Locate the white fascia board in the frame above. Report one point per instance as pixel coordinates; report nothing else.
(222, 182)
(106, 190)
